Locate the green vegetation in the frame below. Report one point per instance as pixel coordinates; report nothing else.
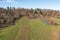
(55, 19)
(27, 29)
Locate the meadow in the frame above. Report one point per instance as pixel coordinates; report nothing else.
(29, 29)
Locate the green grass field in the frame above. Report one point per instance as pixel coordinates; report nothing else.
(28, 29)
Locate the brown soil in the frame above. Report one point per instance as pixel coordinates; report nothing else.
(56, 34)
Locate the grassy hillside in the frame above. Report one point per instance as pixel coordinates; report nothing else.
(28, 29)
(55, 19)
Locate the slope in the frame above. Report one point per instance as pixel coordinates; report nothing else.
(28, 29)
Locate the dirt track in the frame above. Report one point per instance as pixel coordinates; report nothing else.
(56, 34)
(58, 30)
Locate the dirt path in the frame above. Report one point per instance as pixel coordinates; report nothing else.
(58, 29)
(56, 33)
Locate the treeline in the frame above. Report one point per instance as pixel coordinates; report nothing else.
(9, 15)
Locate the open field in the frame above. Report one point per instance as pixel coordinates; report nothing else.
(29, 29)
